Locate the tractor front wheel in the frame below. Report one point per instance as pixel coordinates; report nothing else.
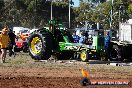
(84, 56)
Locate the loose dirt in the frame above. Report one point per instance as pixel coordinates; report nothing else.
(25, 73)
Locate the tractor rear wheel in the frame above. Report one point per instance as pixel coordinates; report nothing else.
(84, 56)
(40, 45)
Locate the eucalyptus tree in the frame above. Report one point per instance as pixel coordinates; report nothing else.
(83, 13)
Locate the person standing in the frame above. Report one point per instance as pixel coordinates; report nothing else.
(82, 38)
(86, 38)
(4, 41)
(107, 41)
(75, 37)
(12, 37)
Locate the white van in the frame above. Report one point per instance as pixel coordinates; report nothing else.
(18, 30)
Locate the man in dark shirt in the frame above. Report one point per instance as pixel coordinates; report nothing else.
(86, 38)
(12, 37)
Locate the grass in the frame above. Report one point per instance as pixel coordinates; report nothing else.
(25, 61)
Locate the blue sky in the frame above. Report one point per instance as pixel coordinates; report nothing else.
(76, 3)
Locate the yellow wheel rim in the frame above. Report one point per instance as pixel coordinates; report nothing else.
(83, 56)
(36, 45)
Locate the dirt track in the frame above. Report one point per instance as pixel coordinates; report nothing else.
(30, 74)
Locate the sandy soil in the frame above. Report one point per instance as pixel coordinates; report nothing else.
(30, 74)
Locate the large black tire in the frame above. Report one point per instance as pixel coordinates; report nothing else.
(25, 49)
(17, 49)
(46, 45)
(116, 53)
(126, 52)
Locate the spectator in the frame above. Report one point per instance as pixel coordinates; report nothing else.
(90, 40)
(75, 37)
(12, 37)
(22, 37)
(4, 41)
(86, 37)
(82, 38)
(107, 45)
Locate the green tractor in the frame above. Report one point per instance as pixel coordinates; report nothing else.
(95, 42)
(58, 42)
(98, 44)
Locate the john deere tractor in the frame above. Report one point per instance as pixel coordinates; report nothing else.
(57, 41)
(97, 45)
(94, 39)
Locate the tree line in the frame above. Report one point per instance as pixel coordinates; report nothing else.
(36, 13)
